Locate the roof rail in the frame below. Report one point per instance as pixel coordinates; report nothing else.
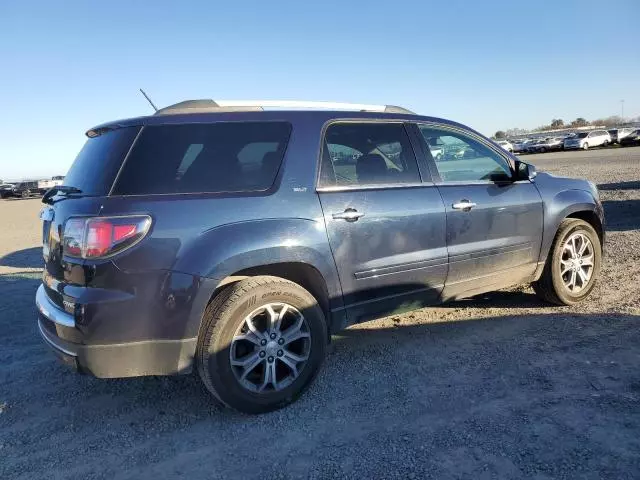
(194, 106)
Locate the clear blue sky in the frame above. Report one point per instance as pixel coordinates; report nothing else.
(67, 66)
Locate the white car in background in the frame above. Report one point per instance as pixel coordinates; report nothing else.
(520, 146)
(585, 140)
(436, 147)
(44, 185)
(505, 144)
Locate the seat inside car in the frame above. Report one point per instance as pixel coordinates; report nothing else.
(371, 168)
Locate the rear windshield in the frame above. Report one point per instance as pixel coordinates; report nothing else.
(214, 158)
(97, 164)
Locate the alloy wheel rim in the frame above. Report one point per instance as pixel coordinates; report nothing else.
(270, 348)
(577, 262)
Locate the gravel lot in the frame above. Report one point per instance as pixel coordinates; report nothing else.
(499, 386)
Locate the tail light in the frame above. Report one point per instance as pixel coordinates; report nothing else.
(99, 237)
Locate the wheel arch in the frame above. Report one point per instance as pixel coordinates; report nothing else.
(592, 219)
(305, 275)
(569, 203)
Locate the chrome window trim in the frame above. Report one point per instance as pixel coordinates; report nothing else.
(381, 186)
(459, 183)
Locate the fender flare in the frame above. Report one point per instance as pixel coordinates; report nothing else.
(564, 204)
(214, 256)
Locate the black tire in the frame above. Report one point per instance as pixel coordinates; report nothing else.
(221, 320)
(585, 146)
(25, 194)
(550, 286)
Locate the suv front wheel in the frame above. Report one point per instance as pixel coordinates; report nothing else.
(261, 344)
(573, 264)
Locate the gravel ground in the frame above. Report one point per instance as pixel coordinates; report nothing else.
(500, 386)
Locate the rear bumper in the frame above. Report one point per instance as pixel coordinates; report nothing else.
(132, 359)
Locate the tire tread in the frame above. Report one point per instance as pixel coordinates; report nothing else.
(544, 287)
(217, 308)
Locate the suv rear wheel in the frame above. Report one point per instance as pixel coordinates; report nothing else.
(262, 342)
(573, 264)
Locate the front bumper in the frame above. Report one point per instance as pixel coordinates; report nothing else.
(131, 359)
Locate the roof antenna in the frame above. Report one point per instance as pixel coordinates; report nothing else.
(148, 99)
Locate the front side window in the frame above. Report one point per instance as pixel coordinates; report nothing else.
(362, 154)
(461, 158)
(200, 157)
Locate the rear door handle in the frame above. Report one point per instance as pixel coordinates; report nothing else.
(464, 204)
(350, 215)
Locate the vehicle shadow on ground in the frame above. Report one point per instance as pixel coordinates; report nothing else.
(622, 215)
(630, 185)
(27, 258)
(134, 399)
(499, 299)
(424, 382)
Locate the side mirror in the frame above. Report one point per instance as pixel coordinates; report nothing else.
(524, 171)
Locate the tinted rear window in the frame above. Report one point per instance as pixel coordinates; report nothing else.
(214, 158)
(97, 164)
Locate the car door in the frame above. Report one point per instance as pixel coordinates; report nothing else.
(386, 227)
(494, 224)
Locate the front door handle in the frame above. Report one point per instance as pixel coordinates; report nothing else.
(464, 205)
(350, 215)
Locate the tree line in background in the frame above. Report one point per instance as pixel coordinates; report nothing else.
(558, 123)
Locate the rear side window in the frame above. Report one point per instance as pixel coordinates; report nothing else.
(374, 153)
(212, 158)
(97, 164)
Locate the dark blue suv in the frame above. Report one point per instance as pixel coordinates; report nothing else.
(233, 240)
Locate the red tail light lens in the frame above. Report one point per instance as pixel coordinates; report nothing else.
(98, 237)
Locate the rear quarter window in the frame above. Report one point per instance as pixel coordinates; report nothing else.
(97, 164)
(208, 158)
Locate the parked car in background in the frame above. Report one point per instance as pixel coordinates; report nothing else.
(508, 146)
(436, 147)
(44, 185)
(631, 139)
(586, 140)
(532, 147)
(550, 144)
(300, 223)
(520, 146)
(6, 190)
(25, 189)
(618, 134)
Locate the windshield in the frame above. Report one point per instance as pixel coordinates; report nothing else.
(582, 135)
